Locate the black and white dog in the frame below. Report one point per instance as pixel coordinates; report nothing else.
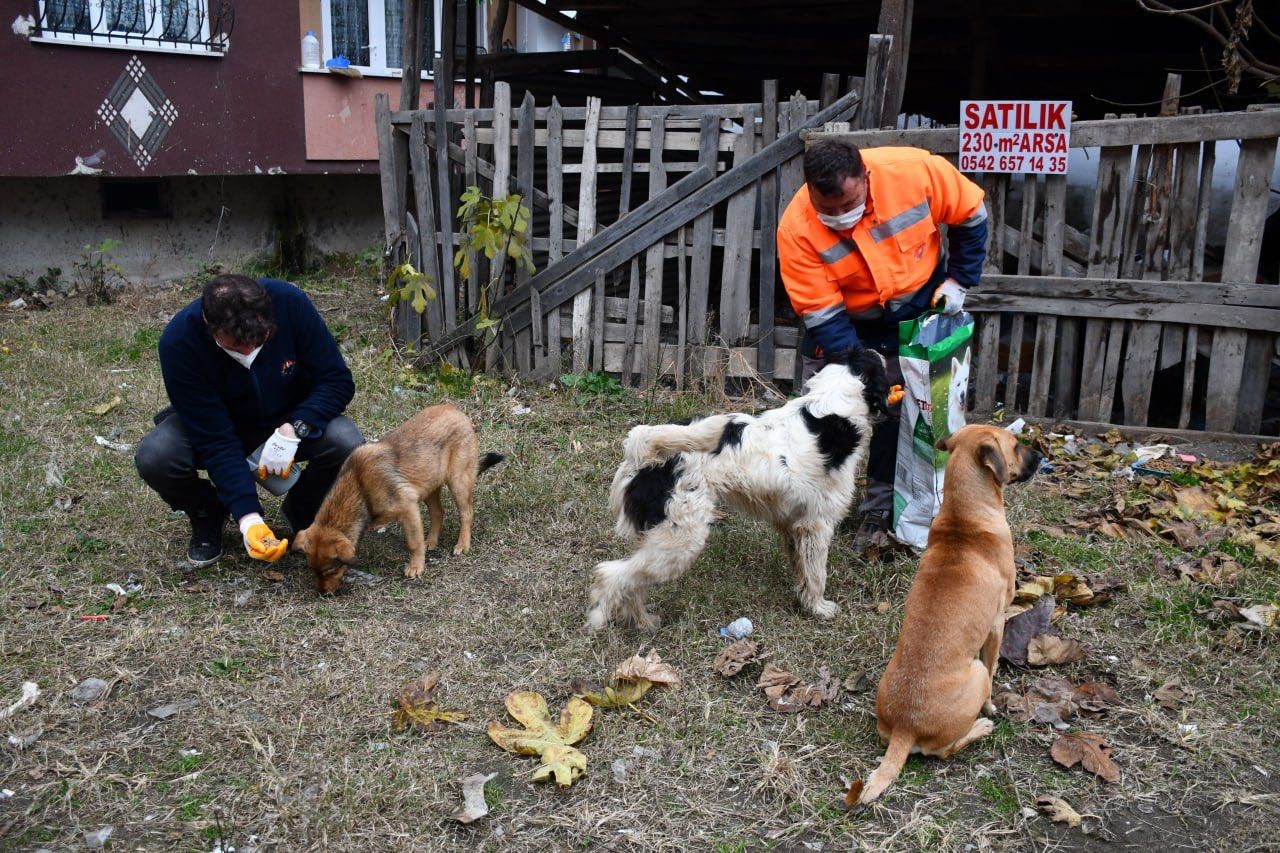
(795, 467)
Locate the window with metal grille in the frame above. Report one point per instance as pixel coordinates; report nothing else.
(199, 26)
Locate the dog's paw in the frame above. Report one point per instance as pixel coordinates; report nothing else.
(982, 727)
(460, 549)
(824, 608)
(647, 620)
(989, 708)
(412, 571)
(596, 620)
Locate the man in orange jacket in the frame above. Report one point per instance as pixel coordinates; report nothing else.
(860, 251)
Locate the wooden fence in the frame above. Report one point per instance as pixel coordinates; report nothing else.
(1085, 324)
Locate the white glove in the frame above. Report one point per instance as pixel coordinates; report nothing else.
(277, 455)
(951, 295)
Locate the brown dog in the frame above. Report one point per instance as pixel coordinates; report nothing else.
(939, 678)
(384, 481)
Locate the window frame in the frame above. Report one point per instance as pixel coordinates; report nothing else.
(151, 41)
(377, 12)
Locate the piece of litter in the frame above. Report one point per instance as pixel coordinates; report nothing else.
(1186, 729)
(1186, 457)
(521, 410)
(474, 806)
(619, 768)
(112, 445)
(26, 740)
(356, 577)
(190, 753)
(30, 693)
(164, 712)
(379, 745)
(644, 752)
(94, 617)
(738, 628)
(5, 793)
(89, 690)
(18, 304)
(1016, 427)
(52, 474)
(242, 598)
(63, 504)
(97, 839)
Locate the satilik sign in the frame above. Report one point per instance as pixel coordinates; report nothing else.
(1020, 137)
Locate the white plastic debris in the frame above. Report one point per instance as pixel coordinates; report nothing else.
(738, 628)
(97, 839)
(117, 446)
(1017, 427)
(619, 768)
(521, 410)
(1150, 452)
(89, 690)
(30, 693)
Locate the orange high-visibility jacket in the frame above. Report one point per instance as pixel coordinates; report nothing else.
(891, 252)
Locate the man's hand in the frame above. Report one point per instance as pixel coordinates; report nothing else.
(259, 541)
(951, 295)
(277, 453)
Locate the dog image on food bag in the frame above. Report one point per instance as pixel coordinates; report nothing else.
(795, 467)
(939, 678)
(384, 482)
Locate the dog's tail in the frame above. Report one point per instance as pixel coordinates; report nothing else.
(900, 743)
(488, 461)
(647, 445)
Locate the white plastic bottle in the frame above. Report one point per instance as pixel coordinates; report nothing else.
(310, 50)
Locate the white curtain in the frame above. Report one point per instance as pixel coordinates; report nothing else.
(394, 10)
(350, 24)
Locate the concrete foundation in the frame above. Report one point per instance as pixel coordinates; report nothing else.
(229, 221)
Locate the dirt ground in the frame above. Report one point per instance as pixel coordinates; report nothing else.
(282, 742)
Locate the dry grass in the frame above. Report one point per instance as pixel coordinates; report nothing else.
(291, 692)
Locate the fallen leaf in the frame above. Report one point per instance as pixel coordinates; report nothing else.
(1058, 810)
(648, 668)
(1185, 533)
(775, 680)
(1049, 650)
(788, 694)
(735, 656)
(1260, 615)
(1088, 750)
(854, 793)
(828, 685)
(273, 576)
(1021, 628)
(541, 737)
(473, 805)
(857, 683)
(623, 694)
(105, 407)
(415, 708)
(1096, 697)
(1171, 694)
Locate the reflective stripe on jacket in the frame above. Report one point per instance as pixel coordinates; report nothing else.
(891, 252)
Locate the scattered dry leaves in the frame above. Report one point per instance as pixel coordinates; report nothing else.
(735, 656)
(1089, 751)
(648, 668)
(1049, 650)
(788, 694)
(416, 708)
(1171, 694)
(553, 742)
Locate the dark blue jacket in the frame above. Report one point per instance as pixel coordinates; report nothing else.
(228, 411)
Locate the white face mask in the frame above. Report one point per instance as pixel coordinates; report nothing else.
(844, 221)
(245, 361)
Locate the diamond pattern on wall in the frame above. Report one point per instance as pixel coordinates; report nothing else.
(138, 112)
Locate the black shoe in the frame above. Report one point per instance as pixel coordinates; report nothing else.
(205, 546)
(870, 523)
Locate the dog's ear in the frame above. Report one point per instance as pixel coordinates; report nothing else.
(346, 551)
(989, 454)
(955, 365)
(868, 365)
(947, 442)
(300, 540)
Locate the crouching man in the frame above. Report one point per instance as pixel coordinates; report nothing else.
(250, 363)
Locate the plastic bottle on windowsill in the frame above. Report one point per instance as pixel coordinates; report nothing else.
(310, 50)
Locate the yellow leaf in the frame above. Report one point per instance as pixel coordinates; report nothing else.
(540, 736)
(619, 696)
(415, 708)
(1033, 589)
(1058, 810)
(106, 407)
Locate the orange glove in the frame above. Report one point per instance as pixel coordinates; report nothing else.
(896, 393)
(259, 541)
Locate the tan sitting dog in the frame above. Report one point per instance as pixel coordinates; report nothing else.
(384, 481)
(939, 678)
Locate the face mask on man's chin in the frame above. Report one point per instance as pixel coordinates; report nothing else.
(843, 221)
(245, 361)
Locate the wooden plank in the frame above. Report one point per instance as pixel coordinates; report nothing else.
(501, 188)
(735, 273)
(827, 93)
(586, 230)
(1094, 353)
(1042, 364)
(1190, 358)
(426, 220)
(1107, 235)
(1202, 211)
(1055, 224)
(1140, 235)
(988, 366)
(1013, 371)
(700, 270)
(1013, 242)
(1134, 290)
(791, 174)
(1182, 228)
(525, 153)
(1066, 378)
(768, 228)
(738, 362)
(1029, 186)
(1226, 362)
(408, 322)
(392, 202)
(1222, 316)
(651, 332)
(996, 188)
(633, 270)
(1137, 432)
(1139, 370)
(472, 178)
(1110, 370)
(682, 314)
(597, 324)
(1240, 365)
(555, 196)
(616, 139)
(1102, 133)
(879, 48)
(444, 198)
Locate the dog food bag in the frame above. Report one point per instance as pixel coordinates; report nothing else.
(935, 355)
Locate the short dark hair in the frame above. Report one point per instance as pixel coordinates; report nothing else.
(829, 162)
(239, 307)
